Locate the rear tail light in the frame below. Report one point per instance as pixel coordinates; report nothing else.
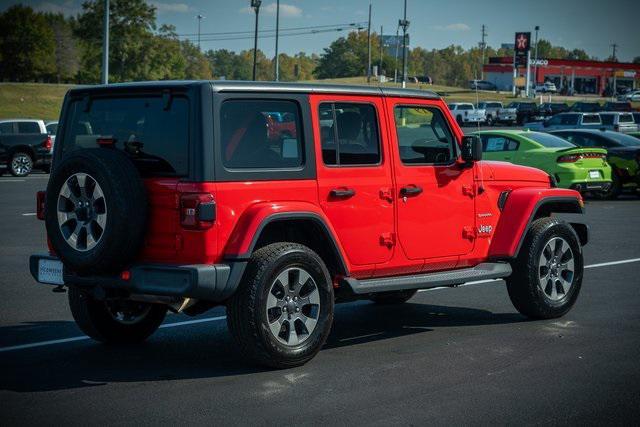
(40, 198)
(47, 143)
(571, 158)
(197, 211)
(105, 142)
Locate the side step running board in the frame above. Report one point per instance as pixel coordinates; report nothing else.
(485, 271)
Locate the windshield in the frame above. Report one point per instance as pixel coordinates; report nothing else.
(465, 107)
(548, 141)
(154, 137)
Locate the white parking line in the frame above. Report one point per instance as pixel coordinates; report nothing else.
(213, 319)
(29, 214)
(12, 180)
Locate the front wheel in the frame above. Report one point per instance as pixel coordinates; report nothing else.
(115, 321)
(489, 120)
(547, 274)
(281, 314)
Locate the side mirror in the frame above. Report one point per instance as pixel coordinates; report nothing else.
(471, 148)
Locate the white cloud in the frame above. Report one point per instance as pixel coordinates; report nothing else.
(286, 10)
(459, 26)
(172, 7)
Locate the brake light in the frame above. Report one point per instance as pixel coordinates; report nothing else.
(40, 204)
(105, 142)
(571, 158)
(47, 143)
(197, 211)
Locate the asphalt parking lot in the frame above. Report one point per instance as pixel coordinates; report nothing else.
(449, 356)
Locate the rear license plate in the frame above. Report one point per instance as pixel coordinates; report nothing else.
(594, 174)
(50, 271)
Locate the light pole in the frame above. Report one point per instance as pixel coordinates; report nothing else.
(105, 44)
(277, 29)
(535, 59)
(369, 47)
(199, 20)
(255, 4)
(404, 24)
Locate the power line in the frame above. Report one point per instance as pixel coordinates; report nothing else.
(246, 37)
(272, 30)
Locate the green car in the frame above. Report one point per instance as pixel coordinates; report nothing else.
(581, 169)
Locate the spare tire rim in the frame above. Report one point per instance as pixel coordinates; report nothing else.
(293, 306)
(82, 212)
(556, 269)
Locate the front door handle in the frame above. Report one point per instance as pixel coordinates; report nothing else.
(342, 193)
(412, 190)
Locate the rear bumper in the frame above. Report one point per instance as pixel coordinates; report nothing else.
(591, 186)
(214, 283)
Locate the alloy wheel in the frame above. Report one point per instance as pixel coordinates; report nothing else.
(21, 164)
(556, 269)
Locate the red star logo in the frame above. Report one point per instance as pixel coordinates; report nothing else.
(522, 42)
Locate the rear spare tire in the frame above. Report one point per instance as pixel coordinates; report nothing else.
(96, 211)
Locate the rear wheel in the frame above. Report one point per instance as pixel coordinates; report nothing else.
(115, 321)
(489, 120)
(547, 274)
(282, 313)
(394, 297)
(21, 164)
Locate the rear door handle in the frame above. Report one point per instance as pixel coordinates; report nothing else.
(342, 193)
(409, 191)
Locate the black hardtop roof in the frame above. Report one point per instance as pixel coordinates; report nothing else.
(251, 86)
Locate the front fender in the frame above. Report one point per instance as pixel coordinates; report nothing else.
(523, 205)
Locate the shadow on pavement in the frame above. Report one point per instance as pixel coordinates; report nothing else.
(206, 350)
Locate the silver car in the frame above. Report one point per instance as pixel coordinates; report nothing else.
(567, 121)
(618, 121)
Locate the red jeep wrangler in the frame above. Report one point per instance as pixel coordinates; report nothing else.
(180, 196)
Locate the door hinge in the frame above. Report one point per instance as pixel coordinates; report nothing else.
(468, 190)
(468, 233)
(388, 239)
(386, 194)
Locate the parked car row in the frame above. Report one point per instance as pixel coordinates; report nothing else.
(25, 145)
(600, 162)
(608, 120)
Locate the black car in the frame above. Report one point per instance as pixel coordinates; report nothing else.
(623, 155)
(552, 108)
(621, 106)
(586, 107)
(525, 112)
(21, 153)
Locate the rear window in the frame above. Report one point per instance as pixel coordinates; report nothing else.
(465, 107)
(261, 134)
(549, 141)
(28, 127)
(591, 119)
(155, 138)
(625, 118)
(494, 105)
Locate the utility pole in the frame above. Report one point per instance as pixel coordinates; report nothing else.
(255, 4)
(535, 60)
(404, 24)
(483, 46)
(380, 41)
(614, 58)
(369, 47)
(199, 21)
(277, 61)
(395, 66)
(105, 44)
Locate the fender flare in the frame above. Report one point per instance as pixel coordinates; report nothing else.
(293, 215)
(510, 234)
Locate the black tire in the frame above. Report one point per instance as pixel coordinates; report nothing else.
(20, 164)
(125, 205)
(46, 169)
(95, 319)
(614, 191)
(459, 120)
(247, 310)
(523, 286)
(490, 120)
(394, 297)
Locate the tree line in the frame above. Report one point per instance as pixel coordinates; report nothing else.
(47, 47)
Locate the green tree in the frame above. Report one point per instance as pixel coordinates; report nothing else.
(345, 57)
(67, 61)
(27, 45)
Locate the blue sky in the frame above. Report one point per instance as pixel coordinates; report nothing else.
(590, 25)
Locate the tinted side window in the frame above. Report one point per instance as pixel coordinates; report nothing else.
(355, 128)
(492, 143)
(6, 127)
(261, 134)
(28, 127)
(156, 139)
(52, 128)
(423, 136)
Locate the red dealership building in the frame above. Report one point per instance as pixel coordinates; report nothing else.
(569, 75)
